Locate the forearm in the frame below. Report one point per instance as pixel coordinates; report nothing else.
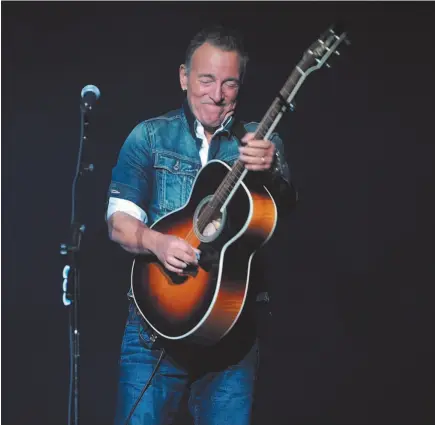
(133, 235)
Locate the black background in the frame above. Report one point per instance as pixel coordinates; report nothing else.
(352, 268)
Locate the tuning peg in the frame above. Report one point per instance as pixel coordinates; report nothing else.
(327, 65)
(337, 53)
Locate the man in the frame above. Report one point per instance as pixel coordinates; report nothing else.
(153, 176)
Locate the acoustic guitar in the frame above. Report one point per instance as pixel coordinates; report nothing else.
(203, 304)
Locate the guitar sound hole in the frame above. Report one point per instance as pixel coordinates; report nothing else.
(208, 224)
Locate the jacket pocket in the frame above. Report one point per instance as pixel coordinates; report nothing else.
(174, 180)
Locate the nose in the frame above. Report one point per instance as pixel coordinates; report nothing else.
(217, 94)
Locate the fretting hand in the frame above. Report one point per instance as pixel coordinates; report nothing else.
(256, 154)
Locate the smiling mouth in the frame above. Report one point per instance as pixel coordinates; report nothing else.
(214, 104)
(215, 108)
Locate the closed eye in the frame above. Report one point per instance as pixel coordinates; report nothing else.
(232, 84)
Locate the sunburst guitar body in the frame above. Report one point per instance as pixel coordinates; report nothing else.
(203, 305)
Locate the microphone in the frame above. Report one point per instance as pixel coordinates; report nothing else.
(90, 95)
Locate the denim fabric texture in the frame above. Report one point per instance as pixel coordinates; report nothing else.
(217, 384)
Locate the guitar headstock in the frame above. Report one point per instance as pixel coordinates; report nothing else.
(321, 50)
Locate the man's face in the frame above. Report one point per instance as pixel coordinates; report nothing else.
(212, 84)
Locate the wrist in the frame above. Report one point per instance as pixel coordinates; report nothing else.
(150, 240)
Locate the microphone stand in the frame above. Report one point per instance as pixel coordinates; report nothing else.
(71, 274)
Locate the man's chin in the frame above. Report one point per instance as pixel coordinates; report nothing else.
(212, 124)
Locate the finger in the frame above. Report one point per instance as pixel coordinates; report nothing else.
(186, 256)
(259, 145)
(265, 144)
(247, 137)
(173, 269)
(265, 161)
(184, 246)
(175, 262)
(189, 249)
(256, 167)
(258, 152)
(256, 163)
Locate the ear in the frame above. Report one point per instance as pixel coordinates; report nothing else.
(183, 77)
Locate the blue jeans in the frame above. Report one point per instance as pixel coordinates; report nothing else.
(220, 380)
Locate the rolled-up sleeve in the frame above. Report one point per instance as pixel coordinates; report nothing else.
(131, 177)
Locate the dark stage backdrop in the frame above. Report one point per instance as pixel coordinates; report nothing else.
(350, 339)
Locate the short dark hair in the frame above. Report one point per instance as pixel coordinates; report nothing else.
(226, 39)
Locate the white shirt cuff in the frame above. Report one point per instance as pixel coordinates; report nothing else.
(117, 204)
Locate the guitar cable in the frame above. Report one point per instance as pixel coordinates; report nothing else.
(146, 386)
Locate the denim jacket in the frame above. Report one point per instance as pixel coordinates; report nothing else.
(160, 158)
